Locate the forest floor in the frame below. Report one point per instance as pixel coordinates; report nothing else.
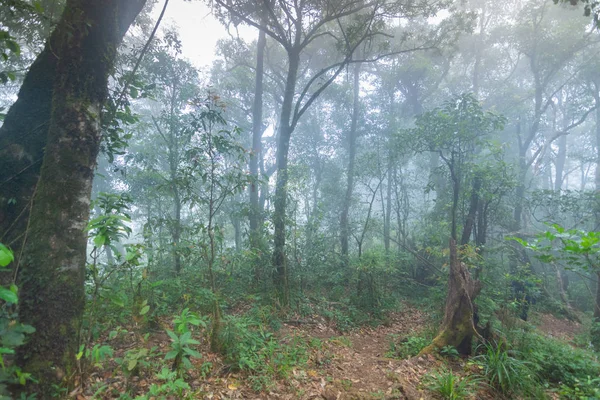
(353, 366)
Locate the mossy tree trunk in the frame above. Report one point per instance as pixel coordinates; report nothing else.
(458, 327)
(22, 141)
(53, 265)
(23, 137)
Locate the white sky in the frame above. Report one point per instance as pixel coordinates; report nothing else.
(198, 29)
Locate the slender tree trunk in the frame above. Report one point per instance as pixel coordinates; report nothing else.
(561, 159)
(237, 228)
(387, 222)
(256, 137)
(279, 214)
(176, 228)
(473, 206)
(53, 268)
(352, 136)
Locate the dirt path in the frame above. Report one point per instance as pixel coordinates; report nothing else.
(355, 366)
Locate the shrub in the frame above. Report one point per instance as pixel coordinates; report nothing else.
(556, 362)
(249, 348)
(450, 386)
(505, 373)
(407, 347)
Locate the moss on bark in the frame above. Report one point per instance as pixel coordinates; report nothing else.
(53, 267)
(458, 327)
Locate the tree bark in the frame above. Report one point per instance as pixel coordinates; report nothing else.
(23, 138)
(53, 268)
(352, 136)
(458, 327)
(473, 207)
(279, 214)
(561, 159)
(257, 130)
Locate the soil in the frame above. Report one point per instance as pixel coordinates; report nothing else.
(559, 328)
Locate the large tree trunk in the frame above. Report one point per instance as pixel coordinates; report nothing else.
(458, 326)
(283, 147)
(352, 136)
(22, 141)
(23, 138)
(53, 268)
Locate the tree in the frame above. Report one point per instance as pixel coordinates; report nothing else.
(345, 25)
(215, 174)
(65, 88)
(457, 132)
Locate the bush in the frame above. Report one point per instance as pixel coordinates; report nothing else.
(247, 347)
(556, 362)
(582, 389)
(450, 386)
(407, 347)
(505, 373)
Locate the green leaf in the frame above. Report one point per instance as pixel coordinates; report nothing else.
(173, 336)
(192, 352)
(131, 364)
(6, 256)
(99, 240)
(8, 296)
(171, 355)
(144, 310)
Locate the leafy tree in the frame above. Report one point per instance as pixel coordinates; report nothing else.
(457, 132)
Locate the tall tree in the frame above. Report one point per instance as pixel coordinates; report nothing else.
(344, 25)
(65, 88)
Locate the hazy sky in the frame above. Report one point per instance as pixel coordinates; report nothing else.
(198, 29)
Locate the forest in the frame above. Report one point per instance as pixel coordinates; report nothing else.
(352, 199)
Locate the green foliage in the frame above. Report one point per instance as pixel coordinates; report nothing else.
(183, 321)
(133, 360)
(449, 351)
(555, 362)
(96, 355)
(576, 247)
(505, 373)
(582, 389)
(12, 333)
(407, 347)
(111, 225)
(8, 44)
(249, 348)
(171, 386)
(450, 386)
(182, 350)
